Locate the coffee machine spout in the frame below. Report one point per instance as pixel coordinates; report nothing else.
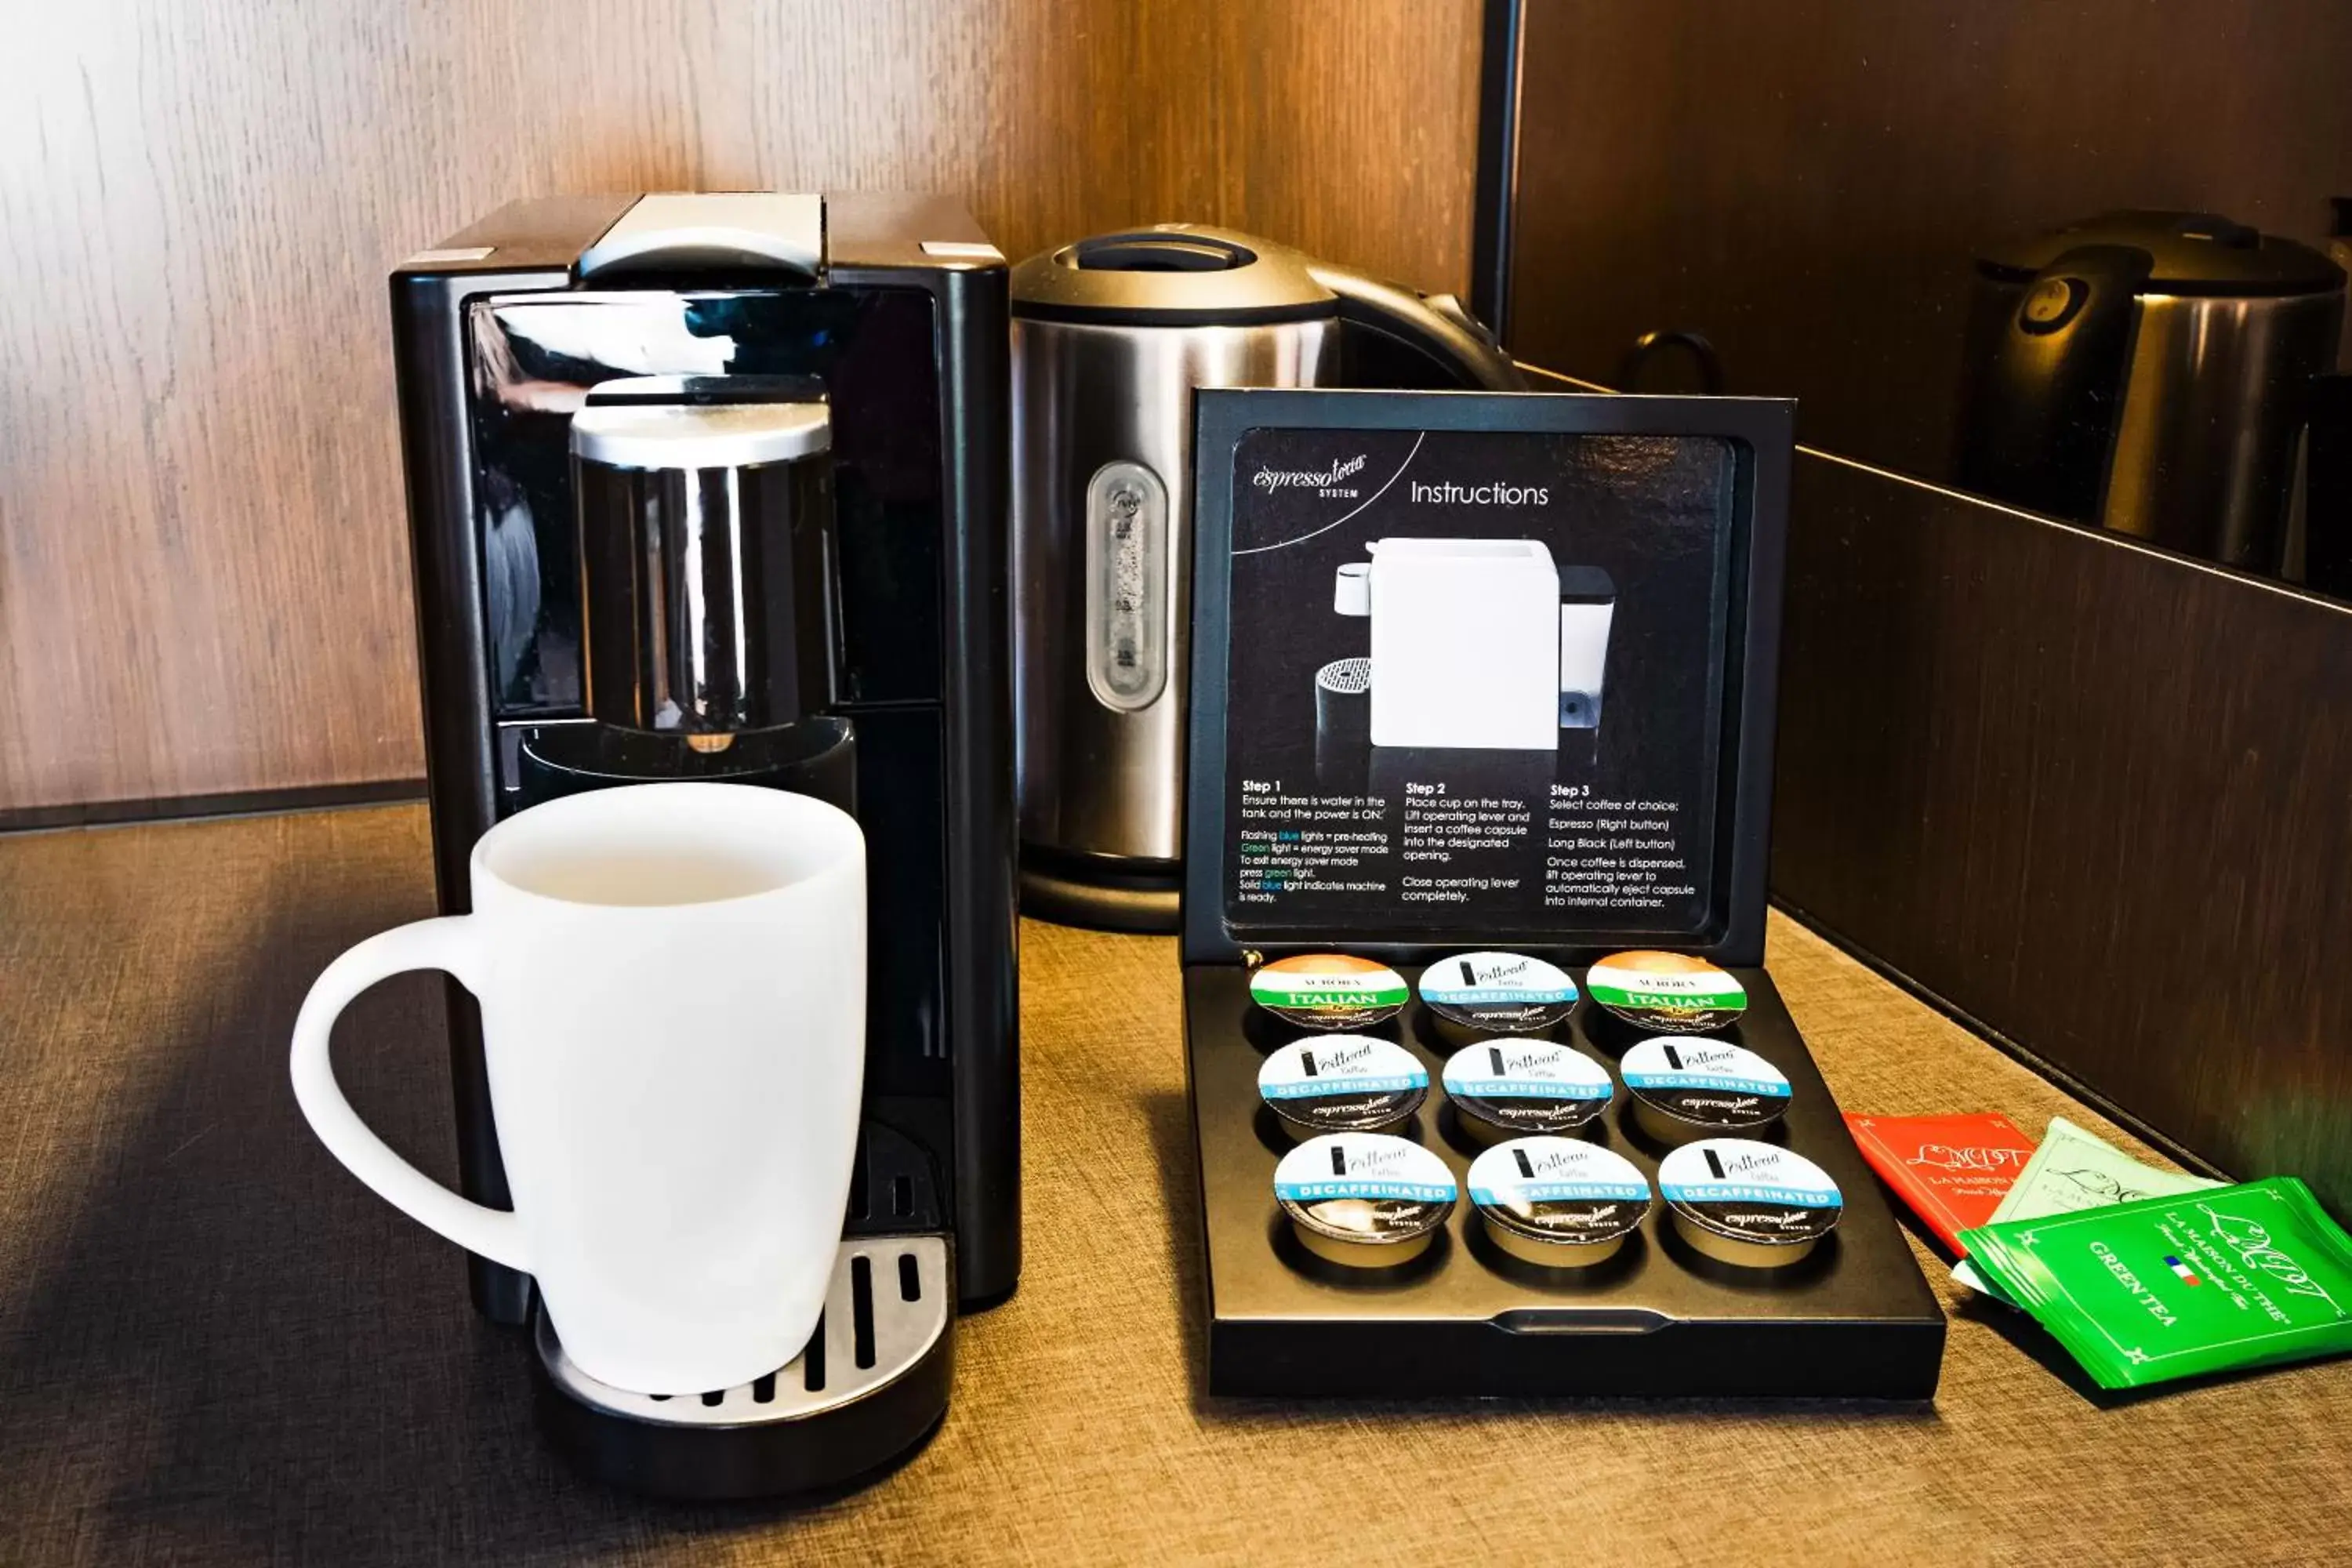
(705, 510)
(1351, 589)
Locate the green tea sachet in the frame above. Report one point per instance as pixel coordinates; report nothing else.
(2075, 1169)
(2175, 1287)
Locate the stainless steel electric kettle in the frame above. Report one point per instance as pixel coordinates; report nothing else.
(1110, 336)
(2150, 373)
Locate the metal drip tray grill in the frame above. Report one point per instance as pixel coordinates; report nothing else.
(870, 1387)
(890, 1303)
(1346, 677)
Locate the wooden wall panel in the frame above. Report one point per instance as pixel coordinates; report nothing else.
(2013, 770)
(204, 584)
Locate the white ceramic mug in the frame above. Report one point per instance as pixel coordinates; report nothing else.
(673, 987)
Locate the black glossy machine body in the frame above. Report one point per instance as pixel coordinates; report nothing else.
(2150, 373)
(859, 654)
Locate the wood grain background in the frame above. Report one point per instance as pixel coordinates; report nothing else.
(2090, 795)
(204, 584)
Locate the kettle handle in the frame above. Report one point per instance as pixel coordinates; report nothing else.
(1652, 344)
(1458, 344)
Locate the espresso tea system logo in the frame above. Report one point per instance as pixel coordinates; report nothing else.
(1326, 482)
(1291, 480)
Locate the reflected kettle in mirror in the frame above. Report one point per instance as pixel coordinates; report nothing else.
(2149, 372)
(1110, 336)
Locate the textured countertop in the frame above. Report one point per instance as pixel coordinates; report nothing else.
(216, 1347)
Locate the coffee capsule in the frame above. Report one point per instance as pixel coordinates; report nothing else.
(1512, 1089)
(1475, 994)
(1667, 993)
(1328, 991)
(1343, 1083)
(1755, 1204)
(1685, 1088)
(1559, 1203)
(1365, 1200)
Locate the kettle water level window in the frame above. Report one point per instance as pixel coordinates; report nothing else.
(1127, 585)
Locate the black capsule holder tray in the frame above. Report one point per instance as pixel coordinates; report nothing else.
(1853, 1318)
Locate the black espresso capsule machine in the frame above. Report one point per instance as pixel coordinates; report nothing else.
(713, 486)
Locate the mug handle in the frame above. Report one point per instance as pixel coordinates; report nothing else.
(447, 943)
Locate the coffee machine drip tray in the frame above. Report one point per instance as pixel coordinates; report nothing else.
(869, 1388)
(871, 1385)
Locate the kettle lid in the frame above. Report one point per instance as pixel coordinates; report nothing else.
(1170, 275)
(2189, 253)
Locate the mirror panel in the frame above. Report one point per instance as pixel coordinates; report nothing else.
(1849, 204)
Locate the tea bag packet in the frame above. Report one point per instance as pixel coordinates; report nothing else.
(2072, 1170)
(2211, 1281)
(1952, 1170)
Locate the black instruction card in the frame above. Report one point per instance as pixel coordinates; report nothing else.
(1476, 678)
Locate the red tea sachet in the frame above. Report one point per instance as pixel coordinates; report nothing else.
(1952, 1169)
